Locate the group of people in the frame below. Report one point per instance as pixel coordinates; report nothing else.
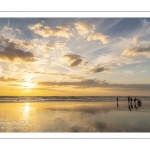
(137, 103)
(135, 100)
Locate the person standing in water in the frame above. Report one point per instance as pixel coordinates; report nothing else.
(135, 100)
(128, 99)
(117, 102)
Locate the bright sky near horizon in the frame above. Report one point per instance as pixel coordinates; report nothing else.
(75, 56)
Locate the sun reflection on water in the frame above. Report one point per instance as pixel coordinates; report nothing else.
(27, 107)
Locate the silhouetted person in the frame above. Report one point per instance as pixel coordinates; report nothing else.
(139, 103)
(135, 106)
(129, 107)
(117, 99)
(135, 100)
(131, 99)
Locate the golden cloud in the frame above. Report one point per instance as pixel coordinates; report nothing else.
(46, 31)
(19, 43)
(47, 47)
(56, 45)
(84, 28)
(98, 36)
(134, 41)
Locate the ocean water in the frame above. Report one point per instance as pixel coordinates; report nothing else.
(68, 98)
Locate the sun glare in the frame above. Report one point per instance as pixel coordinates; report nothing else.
(28, 85)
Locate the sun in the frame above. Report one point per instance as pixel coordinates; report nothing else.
(28, 85)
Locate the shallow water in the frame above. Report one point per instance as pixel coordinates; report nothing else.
(74, 117)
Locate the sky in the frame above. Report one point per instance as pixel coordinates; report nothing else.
(74, 56)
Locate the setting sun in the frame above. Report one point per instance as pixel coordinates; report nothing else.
(28, 85)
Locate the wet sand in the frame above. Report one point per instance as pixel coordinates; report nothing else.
(74, 117)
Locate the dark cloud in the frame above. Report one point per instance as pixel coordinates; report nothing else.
(75, 77)
(85, 63)
(75, 60)
(97, 69)
(96, 83)
(136, 51)
(4, 39)
(12, 54)
(83, 83)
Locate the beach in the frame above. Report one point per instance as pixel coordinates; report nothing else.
(71, 116)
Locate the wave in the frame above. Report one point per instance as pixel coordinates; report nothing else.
(66, 98)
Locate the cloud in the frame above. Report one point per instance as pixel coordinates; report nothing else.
(71, 76)
(134, 41)
(97, 69)
(85, 63)
(98, 36)
(96, 83)
(4, 39)
(19, 43)
(56, 45)
(83, 83)
(59, 45)
(84, 28)
(47, 47)
(10, 53)
(136, 51)
(14, 30)
(129, 72)
(35, 26)
(74, 60)
(18, 31)
(10, 79)
(119, 64)
(46, 56)
(46, 31)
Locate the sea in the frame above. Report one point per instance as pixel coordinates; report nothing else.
(69, 98)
